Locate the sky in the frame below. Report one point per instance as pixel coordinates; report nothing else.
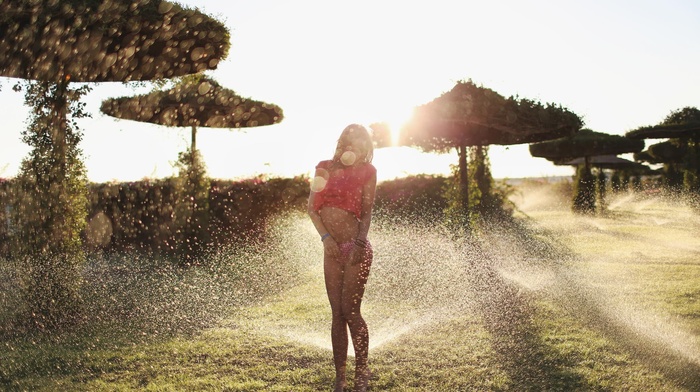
(618, 64)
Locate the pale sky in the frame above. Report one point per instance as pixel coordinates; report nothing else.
(618, 64)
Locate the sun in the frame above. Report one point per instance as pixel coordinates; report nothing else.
(396, 161)
(396, 120)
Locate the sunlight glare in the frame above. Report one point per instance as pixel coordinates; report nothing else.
(398, 118)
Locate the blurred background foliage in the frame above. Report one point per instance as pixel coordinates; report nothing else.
(148, 215)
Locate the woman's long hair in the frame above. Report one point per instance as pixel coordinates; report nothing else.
(354, 130)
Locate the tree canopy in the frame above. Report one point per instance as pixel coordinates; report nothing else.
(194, 101)
(585, 143)
(680, 153)
(470, 115)
(682, 123)
(105, 40)
(664, 152)
(608, 162)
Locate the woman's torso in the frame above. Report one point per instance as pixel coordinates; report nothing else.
(342, 200)
(341, 224)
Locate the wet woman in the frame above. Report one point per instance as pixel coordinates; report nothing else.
(340, 207)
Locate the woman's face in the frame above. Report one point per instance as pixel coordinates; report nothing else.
(355, 148)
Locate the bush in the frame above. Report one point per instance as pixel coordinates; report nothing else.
(412, 197)
(144, 214)
(133, 215)
(242, 209)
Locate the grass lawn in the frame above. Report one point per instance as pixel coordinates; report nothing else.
(606, 303)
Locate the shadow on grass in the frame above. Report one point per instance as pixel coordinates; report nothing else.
(508, 317)
(655, 353)
(584, 304)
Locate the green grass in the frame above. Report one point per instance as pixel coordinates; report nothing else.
(643, 254)
(555, 353)
(606, 303)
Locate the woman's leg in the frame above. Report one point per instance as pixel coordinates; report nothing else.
(333, 272)
(354, 281)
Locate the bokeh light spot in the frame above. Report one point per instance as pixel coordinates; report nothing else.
(348, 158)
(318, 184)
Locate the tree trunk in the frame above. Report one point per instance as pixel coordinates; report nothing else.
(587, 161)
(464, 180)
(482, 179)
(57, 230)
(193, 146)
(195, 180)
(59, 134)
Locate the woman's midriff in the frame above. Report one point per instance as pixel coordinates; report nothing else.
(342, 225)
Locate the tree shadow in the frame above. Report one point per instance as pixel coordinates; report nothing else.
(507, 314)
(653, 352)
(587, 306)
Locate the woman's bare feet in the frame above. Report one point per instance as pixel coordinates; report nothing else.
(362, 376)
(340, 384)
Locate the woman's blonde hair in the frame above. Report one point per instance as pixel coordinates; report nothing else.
(344, 141)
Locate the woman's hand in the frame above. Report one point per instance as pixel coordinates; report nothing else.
(330, 247)
(357, 254)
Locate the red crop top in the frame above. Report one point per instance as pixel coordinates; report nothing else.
(341, 188)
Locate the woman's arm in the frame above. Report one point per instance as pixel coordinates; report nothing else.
(368, 191)
(316, 217)
(317, 184)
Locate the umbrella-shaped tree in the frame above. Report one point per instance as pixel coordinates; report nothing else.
(612, 162)
(682, 129)
(672, 155)
(51, 44)
(585, 144)
(474, 116)
(620, 167)
(194, 101)
(663, 152)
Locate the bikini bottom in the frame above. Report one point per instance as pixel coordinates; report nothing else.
(346, 249)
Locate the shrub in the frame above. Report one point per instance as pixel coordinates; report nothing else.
(412, 197)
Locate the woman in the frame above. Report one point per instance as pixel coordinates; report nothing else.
(340, 207)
